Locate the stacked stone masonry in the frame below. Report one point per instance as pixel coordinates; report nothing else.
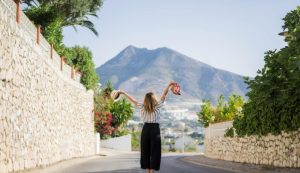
(281, 150)
(45, 116)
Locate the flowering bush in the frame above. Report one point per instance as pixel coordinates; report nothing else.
(111, 117)
(103, 124)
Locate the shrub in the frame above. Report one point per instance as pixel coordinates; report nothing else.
(103, 124)
(82, 59)
(120, 112)
(274, 94)
(229, 132)
(102, 99)
(135, 140)
(120, 131)
(205, 116)
(224, 111)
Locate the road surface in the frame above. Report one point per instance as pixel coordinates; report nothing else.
(129, 163)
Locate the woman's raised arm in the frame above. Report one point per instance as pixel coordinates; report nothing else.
(165, 93)
(129, 97)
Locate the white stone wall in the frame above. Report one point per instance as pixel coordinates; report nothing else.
(217, 129)
(119, 143)
(45, 116)
(282, 150)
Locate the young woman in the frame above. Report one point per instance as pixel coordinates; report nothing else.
(150, 137)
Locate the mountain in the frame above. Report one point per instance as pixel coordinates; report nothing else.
(139, 70)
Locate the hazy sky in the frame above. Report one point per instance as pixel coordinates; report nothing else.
(228, 34)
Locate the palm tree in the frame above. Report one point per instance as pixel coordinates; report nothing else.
(69, 12)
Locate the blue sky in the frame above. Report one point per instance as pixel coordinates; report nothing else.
(228, 34)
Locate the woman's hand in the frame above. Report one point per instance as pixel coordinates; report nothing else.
(171, 83)
(165, 92)
(121, 92)
(175, 88)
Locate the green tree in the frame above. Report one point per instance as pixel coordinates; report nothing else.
(122, 112)
(274, 94)
(108, 89)
(205, 116)
(103, 101)
(53, 34)
(81, 58)
(219, 110)
(53, 16)
(70, 13)
(224, 111)
(233, 108)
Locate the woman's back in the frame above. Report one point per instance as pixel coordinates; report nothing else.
(151, 117)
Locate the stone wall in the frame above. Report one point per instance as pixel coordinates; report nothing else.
(217, 129)
(45, 115)
(117, 143)
(282, 150)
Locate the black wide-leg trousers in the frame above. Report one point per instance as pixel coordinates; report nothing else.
(150, 146)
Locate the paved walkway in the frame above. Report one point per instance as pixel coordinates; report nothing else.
(129, 163)
(125, 162)
(104, 152)
(112, 161)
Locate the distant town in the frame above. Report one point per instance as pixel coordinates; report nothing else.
(180, 129)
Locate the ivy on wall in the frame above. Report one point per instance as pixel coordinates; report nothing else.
(274, 94)
(53, 16)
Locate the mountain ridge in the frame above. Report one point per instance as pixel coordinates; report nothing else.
(138, 70)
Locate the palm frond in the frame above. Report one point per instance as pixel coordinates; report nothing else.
(88, 24)
(93, 14)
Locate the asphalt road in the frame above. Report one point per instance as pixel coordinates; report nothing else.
(129, 163)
